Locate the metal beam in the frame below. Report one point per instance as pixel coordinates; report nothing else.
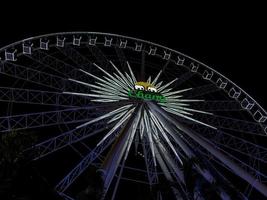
(32, 75)
(85, 162)
(231, 123)
(56, 143)
(224, 106)
(201, 90)
(41, 119)
(235, 143)
(119, 150)
(28, 96)
(235, 168)
(59, 66)
(183, 78)
(151, 168)
(100, 56)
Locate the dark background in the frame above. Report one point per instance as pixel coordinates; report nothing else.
(229, 38)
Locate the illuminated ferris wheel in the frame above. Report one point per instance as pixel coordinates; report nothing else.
(139, 114)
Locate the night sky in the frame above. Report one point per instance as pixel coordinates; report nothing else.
(231, 40)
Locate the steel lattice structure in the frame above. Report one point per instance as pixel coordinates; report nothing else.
(128, 106)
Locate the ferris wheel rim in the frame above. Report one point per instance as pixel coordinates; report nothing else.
(135, 39)
(140, 40)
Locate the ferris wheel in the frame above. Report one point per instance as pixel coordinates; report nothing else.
(148, 119)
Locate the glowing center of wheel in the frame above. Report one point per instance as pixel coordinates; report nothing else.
(146, 91)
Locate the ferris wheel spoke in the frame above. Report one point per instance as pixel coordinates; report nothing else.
(223, 106)
(42, 78)
(109, 165)
(257, 175)
(118, 181)
(43, 61)
(106, 83)
(29, 96)
(183, 78)
(150, 164)
(122, 58)
(235, 143)
(142, 66)
(60, 67)
(164, 67)
(162, 127)
(204, 172)
(76, 57)
(171, 131)
(180, 177)
(66, 197)
(208, 157)
(85, 162)
(31, 75)
(151, 169)
(201, 90)
(248, 168)
(123, 80)
(65, 139)
(120, 149)
(229, 123)
(251, 169)
(42, 119)
(171, 162)
(167, 173)
(115, 112)
(100, 57)
(81, 61)
(238, 170)
(66, 70)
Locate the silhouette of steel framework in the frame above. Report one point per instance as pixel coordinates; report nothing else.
(76, 80)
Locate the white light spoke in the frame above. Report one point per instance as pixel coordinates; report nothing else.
(168, 84)
(191, 119)
(128, 114)
(130, 79)
(106, 115)
(104, 100)
(176, 92)
(112, 87)
(110, 93)
(133, 130)
(76, 93)
(178, 111)
(174, 97)
(115, 82)
(166, 91)
(131, 72)
(122, 76)
(186, 100)
(116, 117)
(142, 128)
(173, 104)
(156, 79)
(121, 80)
(149, 79)
(158, 84)
(164, 135)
